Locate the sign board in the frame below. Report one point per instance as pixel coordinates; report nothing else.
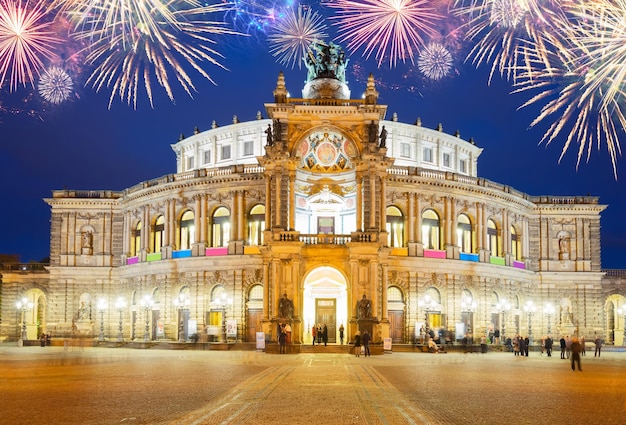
(260, 340)
(231, 328)
(213, 330)
(387, 344)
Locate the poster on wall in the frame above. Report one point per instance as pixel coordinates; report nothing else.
(231, 328)
(260, 340)
(160, 330)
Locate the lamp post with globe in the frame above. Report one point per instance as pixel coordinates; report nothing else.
(120, 305)
(23, 306)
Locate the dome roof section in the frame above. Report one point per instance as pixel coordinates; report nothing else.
(411, 145)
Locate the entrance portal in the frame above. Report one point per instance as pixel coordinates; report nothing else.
(325, 302)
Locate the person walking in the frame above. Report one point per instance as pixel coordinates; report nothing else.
(575, 354)
(583, 350)
(548, 344)
(357, 345)
(598, 344)
(366, 343)
(526, 345)
(314, 334)
(563, 344)
(325, 334)
(341, 330)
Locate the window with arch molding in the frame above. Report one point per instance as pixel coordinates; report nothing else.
(221, 227)
(158, 231)
(256, 225)
(135, 240)
(187, 230)
(515, 244)
(464, 233)
(395, 227)
(255, 293)
(492, 238)
(431, 231)
(394, 295)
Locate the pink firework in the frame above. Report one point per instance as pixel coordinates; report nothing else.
(396, 29)
(25, 42)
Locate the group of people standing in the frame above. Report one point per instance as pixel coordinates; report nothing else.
(364, 342)
(320, 334)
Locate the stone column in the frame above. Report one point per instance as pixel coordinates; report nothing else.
(268, 201)
(359, 202)
(372, 218)
(292, 200)
(383, 204)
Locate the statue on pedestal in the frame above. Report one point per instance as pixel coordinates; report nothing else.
(285, 308)
(364, 308)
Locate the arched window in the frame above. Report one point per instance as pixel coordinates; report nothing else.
(256, 225)
(515, 244)
(135, 240)
(187, 230)
(255, 293)
(394, 295)
(221, 227)
(395, 227)
(430, 230)
(464, 233)
(492, 238)
(158, 232)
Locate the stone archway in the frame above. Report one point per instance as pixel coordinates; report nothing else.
(325, 300)
(615, 313)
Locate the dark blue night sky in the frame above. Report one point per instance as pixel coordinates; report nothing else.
(84, 145)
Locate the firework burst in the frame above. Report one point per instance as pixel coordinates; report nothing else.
(435, 61)
(292, 35)
(573, 92)
(25, 42)
(55, 85)
(502, 30)
(391, 28)
(141, 52)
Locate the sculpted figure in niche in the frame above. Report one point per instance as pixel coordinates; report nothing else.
(83, 311)
(563, 247)
(285, 307)
(364, 308)
(383, 137)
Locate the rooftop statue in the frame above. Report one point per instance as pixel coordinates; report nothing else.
(325, 60)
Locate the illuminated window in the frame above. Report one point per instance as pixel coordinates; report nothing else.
(187, 230)
(395, 227)
(394, 295)
(158, 231)
(135, 243)
(515, 244)
(256, 225)
(221, 227)
(492, 238)
(464, 233)
(431, 230)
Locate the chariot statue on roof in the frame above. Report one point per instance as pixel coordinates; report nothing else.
(325, 60)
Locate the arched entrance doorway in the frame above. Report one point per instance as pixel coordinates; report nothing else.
(325, 302)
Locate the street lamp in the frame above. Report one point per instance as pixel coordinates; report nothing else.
(549, 310)
(503, 307)
(182, 303)
(428, 304)
(120, 305)
(224, 302)
(529, 308)
(102, 305)
(24, 305)
(146, 304)
(623, 311)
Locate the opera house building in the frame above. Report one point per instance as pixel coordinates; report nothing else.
(323, 210)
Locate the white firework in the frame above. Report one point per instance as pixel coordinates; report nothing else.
(55, 85)
(435, 61)
(292, 35)
(507, 13)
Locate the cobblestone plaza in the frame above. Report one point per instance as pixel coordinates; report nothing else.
(125, 386)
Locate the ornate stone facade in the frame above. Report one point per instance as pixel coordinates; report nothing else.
(323, 209)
